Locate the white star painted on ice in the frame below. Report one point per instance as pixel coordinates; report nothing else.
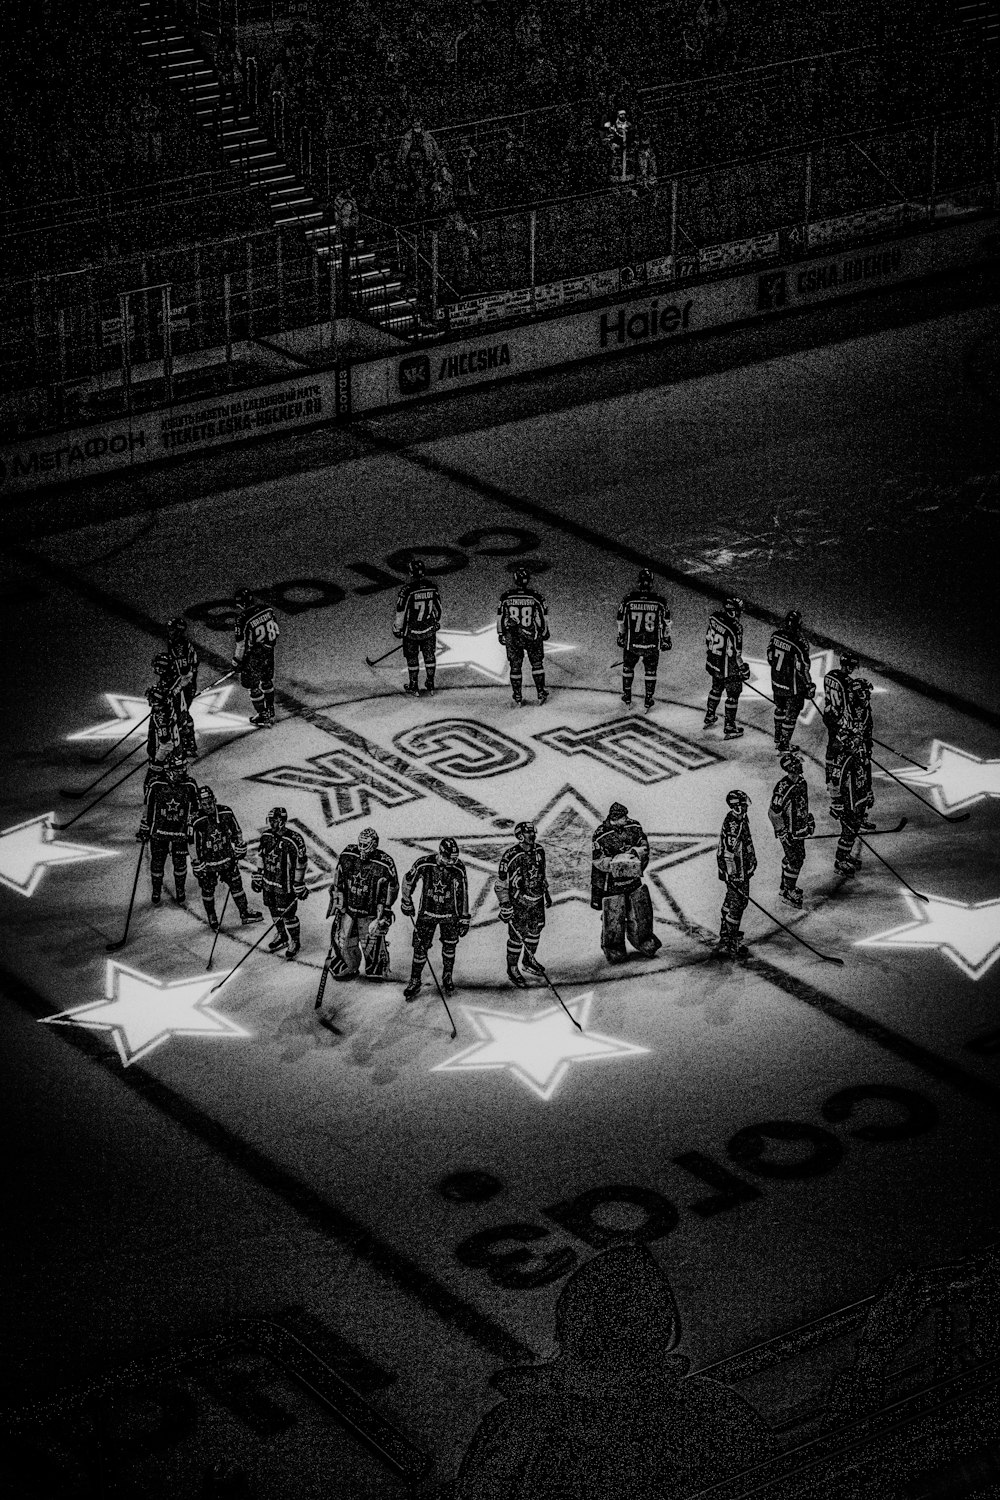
(482, 650)
(968, 934)
(956, 778)
(143, 1012)
(820, 662)
(27, 849)
(206, 711)
(537, 1049)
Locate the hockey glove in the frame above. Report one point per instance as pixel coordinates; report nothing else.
(744, 671)
(621, 643)
(397, 635)
(197, 869)
(335, 903)
(506, 913)
(406, 907)
(142, 833)
(300, 892)
(811, 690)
(463, 927)
(811, 825)
(257, 883)
(666, 644)
(381, 924)
(548, 899)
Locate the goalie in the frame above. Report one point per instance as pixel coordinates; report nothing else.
(361, 899)
(620, 855)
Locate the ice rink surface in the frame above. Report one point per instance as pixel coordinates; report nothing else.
(788, 1138)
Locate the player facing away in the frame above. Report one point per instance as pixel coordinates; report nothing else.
(418, 615)
(184, 661)
(522, 625)
(792, 822)
(362, 896)
(523, 892)
(620, 854)
(836, 716)
(253, 653)
(170, 808)
(737, 860)
(854, 798)
(725, 665)
(163, 736)
(167, 683)
(217, 846)
(444, 904)
(282, 879)
(791, 678)
(643, 631)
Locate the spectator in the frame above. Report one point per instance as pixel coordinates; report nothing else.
(442, 189)
(646, 165)
(712, 21)
(528, 34)
(465, 156)
(147, 133)
(418, 157)
(346, 215)
(619, 136)
(278, 89)
(460, 250)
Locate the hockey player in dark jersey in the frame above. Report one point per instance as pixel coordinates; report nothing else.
(362, 896)
(793, 823)
(737, 860)
(163, 735)
(791, 679)
(853, 798)
(184, 660)
(523, 626)
(281, 878)
(724, 664)
(171, 806)
(836, 716)
(217, 846)
(253, 652)
(168, 684)
(418, 615)
(523, 892)
(444, 903)
(619, 856)
(643, 631)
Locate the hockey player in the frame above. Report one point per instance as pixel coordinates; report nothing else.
(725, 665)
(217, 844)
(362, 896)
(184, 660)
(523, 626)
(418, 615)
(281, 877)
(620, 855)
(853, 798)
(168, 684)
(163, 736)
(253, 652)
(836, 713)
(170, 808)
(791, 679)
(737, 861)
(444, 901)
(792, 822)
(523, 892)
(643, 631)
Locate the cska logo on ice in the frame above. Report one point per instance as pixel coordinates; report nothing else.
(554, 814)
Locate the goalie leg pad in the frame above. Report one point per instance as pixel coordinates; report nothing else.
(639, 922)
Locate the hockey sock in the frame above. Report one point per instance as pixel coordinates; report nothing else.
(241, 904)
(293, 929)
(209, 909)
(416, 967)
(714, 699)
(269, 703)
(530, 947)
(515, 684)
(431, 672)
(448, 955)
(538, 675)
(650, 688)
(257, 700)
(513, 948)
(411, 673)
(628, 677)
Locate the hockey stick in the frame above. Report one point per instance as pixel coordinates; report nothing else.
(827, 958)
(113, 947)
(883, 746)
(253, 947)
(897, 829)
(60, 827)
(95, 760)
(893, 871)
(559, 997)
(947, 818)
(437, 985)
(324, 976)
(377, 659)
(218, 929)
(74, 794)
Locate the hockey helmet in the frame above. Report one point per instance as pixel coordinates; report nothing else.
(733, 605)
(367, 842)
(175, 765)
(175, 627)
(206, 800)
(416, 567)
(276, 819)
(525, 833)
(522, 577)
(737, 800)
(617, 812)
(162, 665)
(791, 762)
(793, 621)
(849, 661)
(645, 579)
(448, 850)
(244, 598)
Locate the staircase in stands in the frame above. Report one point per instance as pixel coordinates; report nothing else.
(374, 287)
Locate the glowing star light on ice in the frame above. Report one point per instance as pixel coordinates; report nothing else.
(955, 778)
(28, 849)
(538, 1049)
(482, 651)
(967, 933)
(206, 711)
(143, 1012)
